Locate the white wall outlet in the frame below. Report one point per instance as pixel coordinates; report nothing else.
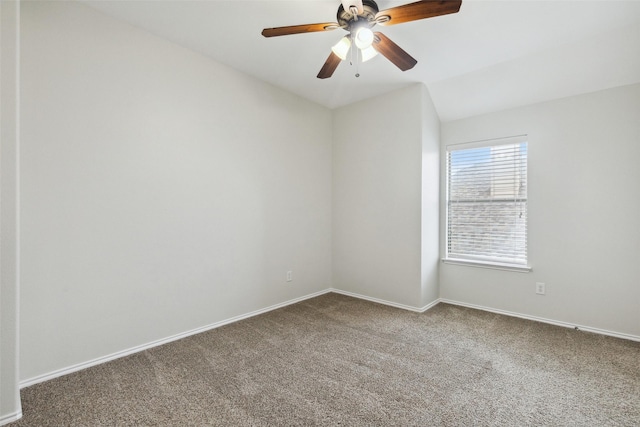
(289, 276)
(540, 288)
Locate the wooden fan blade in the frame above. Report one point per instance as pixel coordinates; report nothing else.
(329, 66)
(418, 10)
(298, 29)
(393, 52)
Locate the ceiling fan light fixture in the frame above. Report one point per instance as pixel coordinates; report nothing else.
(368, 53)
(341, 49)
(357, 17)
(364, 37)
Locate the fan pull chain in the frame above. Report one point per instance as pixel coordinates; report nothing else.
(352, 52)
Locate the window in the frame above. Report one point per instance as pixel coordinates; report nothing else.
(487, 202)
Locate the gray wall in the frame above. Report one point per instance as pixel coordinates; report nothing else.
(9, 195)
(162, 191)
(584, 205)
(430, 226)
(381, 147)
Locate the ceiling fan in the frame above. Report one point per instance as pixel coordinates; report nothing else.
(358, 17)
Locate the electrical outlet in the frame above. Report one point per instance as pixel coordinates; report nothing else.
(540, 288)
(289, 276)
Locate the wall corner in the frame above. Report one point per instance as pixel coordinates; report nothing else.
(10, 407)
(430, 211)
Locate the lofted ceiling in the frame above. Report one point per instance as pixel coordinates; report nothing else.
(490, 56)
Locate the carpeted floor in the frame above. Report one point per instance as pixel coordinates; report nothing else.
(336, 360)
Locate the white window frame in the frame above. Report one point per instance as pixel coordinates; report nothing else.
(484, 261)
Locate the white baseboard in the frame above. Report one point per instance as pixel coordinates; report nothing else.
(80, 366)
(136, 349)
(9, 418)
(385, 302)
(77, 367)
(544, 320)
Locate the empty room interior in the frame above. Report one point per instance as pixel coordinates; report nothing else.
(304, 213)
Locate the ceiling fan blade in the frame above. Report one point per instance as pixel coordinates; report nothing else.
(329, 66)
(346, 4)
(393, 52)
(418, 10)
(298, 29)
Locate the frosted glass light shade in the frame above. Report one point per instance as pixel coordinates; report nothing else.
(341, 49)
(364, 38)
(368, 53)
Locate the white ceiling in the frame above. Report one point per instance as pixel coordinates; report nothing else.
(489, 56)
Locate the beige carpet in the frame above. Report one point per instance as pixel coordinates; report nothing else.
(335, 360)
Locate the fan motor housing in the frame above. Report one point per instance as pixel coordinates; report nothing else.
(349, 21)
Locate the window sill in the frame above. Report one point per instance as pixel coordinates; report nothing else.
(487, 264)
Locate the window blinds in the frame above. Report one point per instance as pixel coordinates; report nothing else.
(487, 201)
